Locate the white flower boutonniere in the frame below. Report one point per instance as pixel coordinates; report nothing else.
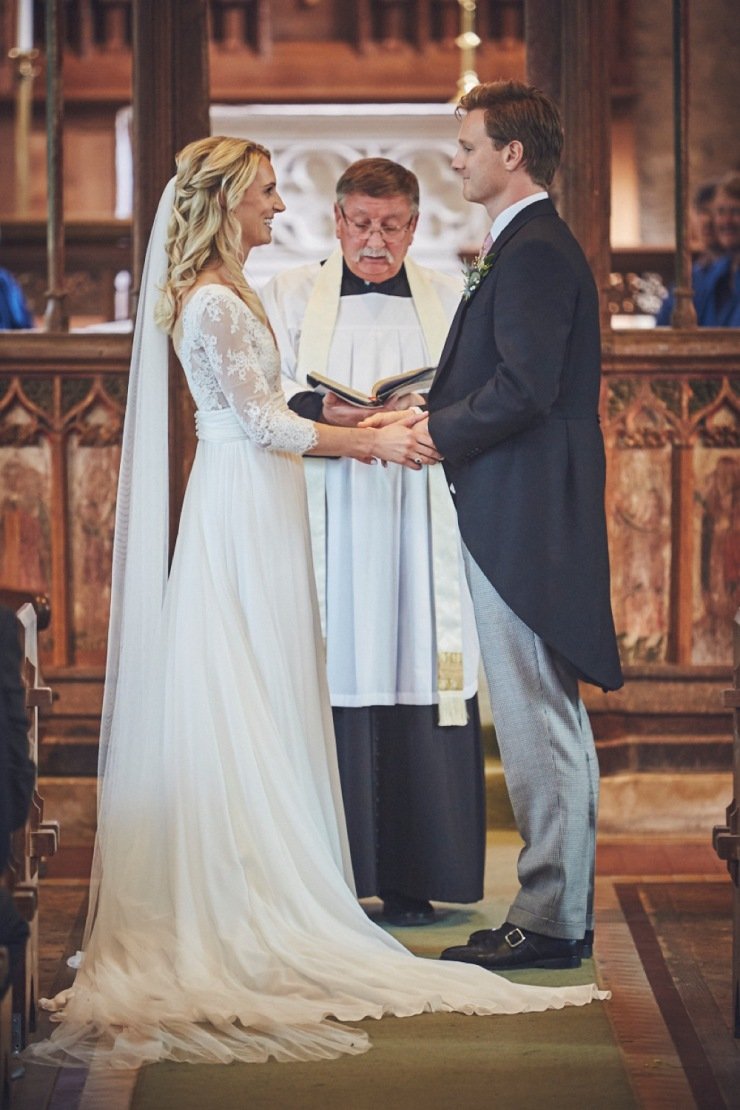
(475, 272)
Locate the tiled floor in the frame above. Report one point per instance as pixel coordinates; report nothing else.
(663, 947)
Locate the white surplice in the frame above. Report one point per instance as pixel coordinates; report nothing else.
(375, 562)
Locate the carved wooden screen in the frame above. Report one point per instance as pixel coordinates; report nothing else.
(672, 427)
(60, 425)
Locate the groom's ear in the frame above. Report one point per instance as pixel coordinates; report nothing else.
(513, 155)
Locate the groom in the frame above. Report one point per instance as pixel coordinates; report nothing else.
(514, 411)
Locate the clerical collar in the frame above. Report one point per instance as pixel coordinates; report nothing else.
(354, 286)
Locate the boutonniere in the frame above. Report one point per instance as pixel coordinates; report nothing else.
(475, 272)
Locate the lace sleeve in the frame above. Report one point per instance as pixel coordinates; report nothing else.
(242, 357)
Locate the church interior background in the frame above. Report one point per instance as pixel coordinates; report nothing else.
(322, 82)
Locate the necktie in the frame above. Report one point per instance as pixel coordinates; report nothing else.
(486, 246)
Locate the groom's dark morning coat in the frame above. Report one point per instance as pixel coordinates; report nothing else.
(514, 410)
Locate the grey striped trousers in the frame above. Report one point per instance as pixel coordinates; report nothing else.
(549, 762)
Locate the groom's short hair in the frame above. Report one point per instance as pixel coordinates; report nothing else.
(514, 110)
(379, 177)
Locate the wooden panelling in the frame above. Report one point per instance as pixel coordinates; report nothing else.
(671, 420)
(61, 415)
(96, 252)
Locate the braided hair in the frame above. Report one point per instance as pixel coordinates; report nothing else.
(212, 175)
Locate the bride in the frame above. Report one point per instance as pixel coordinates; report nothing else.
(223, 924)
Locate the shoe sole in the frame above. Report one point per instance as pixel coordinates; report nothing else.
(539, 965)
(556, 964)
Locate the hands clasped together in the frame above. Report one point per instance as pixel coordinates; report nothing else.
(403, 437)
(394, 434)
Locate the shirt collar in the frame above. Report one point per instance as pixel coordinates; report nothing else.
(504, 218)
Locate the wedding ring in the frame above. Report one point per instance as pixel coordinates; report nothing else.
(418, 462)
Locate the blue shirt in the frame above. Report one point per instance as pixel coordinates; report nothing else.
(716, 296)
(13, 309)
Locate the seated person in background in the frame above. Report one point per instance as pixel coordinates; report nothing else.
(704, 240)
(716, 287)
(17, 772)
(14, 311)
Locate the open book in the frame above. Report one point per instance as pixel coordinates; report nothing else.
(383, 389)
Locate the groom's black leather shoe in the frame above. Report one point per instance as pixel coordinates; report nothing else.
(510, 948)
(479, 937)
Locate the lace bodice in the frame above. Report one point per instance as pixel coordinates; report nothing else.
(231, 361)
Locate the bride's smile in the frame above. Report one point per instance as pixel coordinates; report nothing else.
(257, 208)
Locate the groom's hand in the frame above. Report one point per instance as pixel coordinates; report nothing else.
(423, 438)
(386, 416)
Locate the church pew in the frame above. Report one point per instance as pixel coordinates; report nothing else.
(37, 838)
(6, 1028)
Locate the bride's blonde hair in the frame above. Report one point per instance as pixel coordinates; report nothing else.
(212, 175)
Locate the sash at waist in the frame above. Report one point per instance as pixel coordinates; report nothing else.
(219, 426)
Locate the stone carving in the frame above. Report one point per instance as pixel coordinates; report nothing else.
(312, 145)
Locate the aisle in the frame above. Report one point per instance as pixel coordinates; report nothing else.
(662, 947)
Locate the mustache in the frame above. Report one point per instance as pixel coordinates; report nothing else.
(370, 252)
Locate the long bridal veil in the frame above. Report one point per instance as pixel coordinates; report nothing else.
(140, 553)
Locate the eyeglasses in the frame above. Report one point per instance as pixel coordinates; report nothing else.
(363, 229)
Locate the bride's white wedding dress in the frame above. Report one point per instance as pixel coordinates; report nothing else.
(226, 924)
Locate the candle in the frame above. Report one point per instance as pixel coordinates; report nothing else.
(25, 25)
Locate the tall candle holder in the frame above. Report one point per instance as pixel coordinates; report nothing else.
(26, 70)
(467, 42)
